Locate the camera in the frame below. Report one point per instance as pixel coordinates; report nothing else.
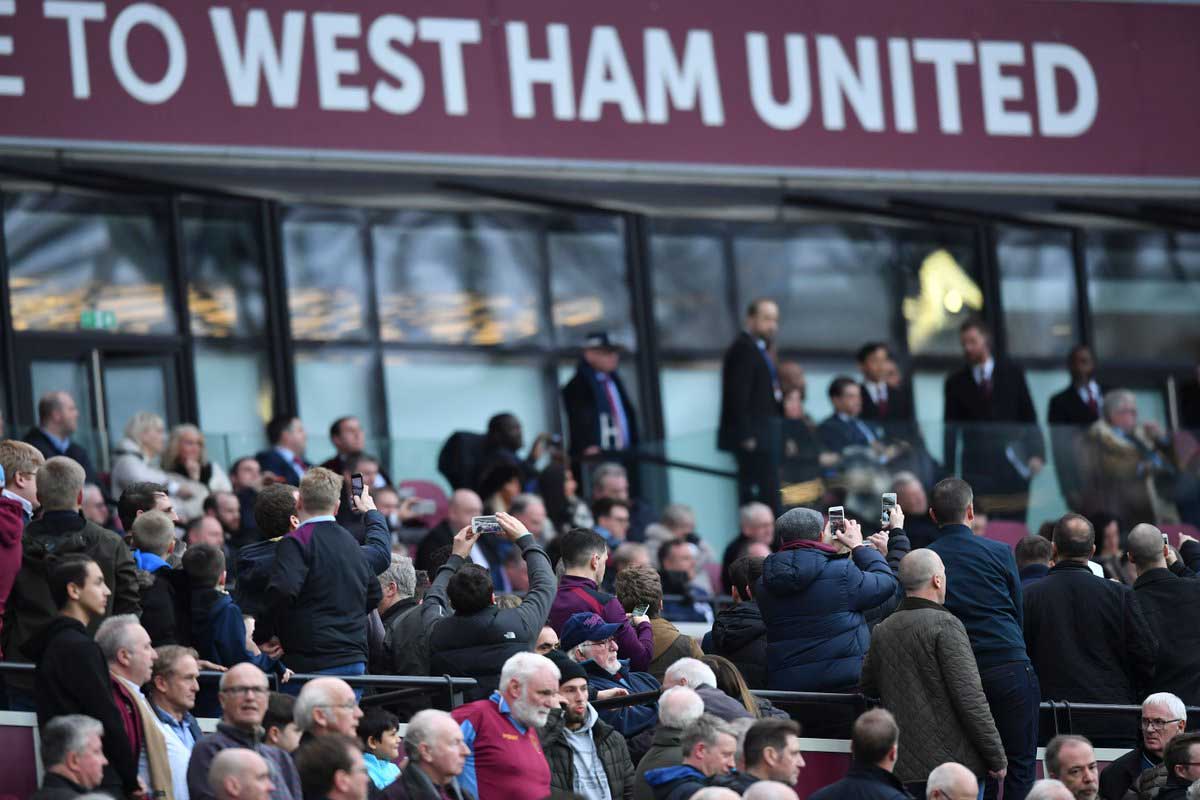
(487, 524)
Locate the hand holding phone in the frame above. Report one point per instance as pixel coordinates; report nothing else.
(356, 484)
(889, 504)
(837, 520)
(485, 524)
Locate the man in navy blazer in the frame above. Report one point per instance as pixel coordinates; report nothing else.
(285, 459)
(845, 427)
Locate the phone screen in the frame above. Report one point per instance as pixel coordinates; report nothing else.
(837, 519)
(356, 484)
(640, 611)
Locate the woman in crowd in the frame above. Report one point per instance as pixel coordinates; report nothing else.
(187, 458)
(560, 493)
(136, 458)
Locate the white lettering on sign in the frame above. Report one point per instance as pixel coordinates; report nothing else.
(946, 55)
(76, 14)
(607, 79)
(1052, 120)
(555, 70)
(162, 90)
(861, 87)
(450, 36)
(998, 89)
(405, 96)
(258, 58)
(333, 62)
(792, 113)
(683, 82)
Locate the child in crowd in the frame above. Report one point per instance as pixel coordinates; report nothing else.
(379, 732)
(280, 724)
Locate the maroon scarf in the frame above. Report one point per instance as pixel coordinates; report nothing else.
(809, 544)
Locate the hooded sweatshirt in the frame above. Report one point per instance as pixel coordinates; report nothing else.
(219, 636)
(591, 781)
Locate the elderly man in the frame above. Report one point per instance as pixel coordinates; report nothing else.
(437, 755)
(1071, 760)
(708, 746)
(1163, 717)
(914, 502)
(813, 601)
(951, 781)
(588, 640)
(130, 656)
(1088, 639)
(332, 768)
(757, 526)
(172, 695)
(1124, 458)
(72, 757)
(698, 676)
(873, 745)
(677, 709)
(770, 790)
(1049, 789)
(586, 755)
(501, 731)
(326, 706)
(463, 505)
(405, 650)
(921, 666)
(243, 694)
(770, 752)
(1161, 594)
(239, 774)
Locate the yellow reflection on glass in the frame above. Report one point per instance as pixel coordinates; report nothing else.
(945, 291)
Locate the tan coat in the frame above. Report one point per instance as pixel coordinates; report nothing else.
(1113, 484)
(921, 666)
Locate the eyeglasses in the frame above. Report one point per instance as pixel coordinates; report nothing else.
(338, 705)
(1158, 724)
(250, 690)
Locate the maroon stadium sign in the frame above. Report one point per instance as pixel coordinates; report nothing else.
(1082, 91)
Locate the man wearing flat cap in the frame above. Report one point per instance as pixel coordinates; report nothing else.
(588, 640)
(600, 413)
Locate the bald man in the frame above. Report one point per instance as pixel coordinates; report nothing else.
(769, 790)
(921, 665)
(952, 781)
(464, 504)
(240, 774)
(1161, 593)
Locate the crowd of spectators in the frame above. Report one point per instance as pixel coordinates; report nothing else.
(572, 622)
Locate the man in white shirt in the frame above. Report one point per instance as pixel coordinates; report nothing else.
(173, 685)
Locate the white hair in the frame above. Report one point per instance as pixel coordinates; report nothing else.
(946, 777)
(1193, 792)
(314, 694)
(401, 573)
(716, 793)
(605, 471)
(746, 513)
(142, 422)
(770, 790)
(421, 730)
(113, 635)
(679, 707)
(1049, 789)
(523, 666)
(692, 672)
(67, 734)
(1172, 702)
(1116, 399)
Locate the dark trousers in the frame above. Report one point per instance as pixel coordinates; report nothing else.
(1013, 696)
(758, 477)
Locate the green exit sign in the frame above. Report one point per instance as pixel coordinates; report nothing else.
(97, 320)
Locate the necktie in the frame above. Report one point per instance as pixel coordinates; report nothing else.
(299, 463)
(614, 407)
(1092, 404)
(882, 403)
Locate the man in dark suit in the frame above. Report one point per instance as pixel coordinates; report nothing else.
(751, 405)
(880, 402)
(987, 402)
(348, 438)
(600, 413)
(285, 459)
(1071, 412)
(844, 428)
(58, 419)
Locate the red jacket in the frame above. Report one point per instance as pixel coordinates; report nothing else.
(12, 525)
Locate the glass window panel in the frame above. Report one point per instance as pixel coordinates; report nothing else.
(457, 279)
(332, 383)
(1037, 287)
(81, 263)
(1144, 291)
(130, 389)
(225, 271)
(431, 396)
(326, 274)
(691, 309)
(588, 284)
(236, 398)
(818, 273)
(929, 401)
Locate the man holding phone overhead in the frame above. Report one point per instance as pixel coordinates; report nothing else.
(468, 634)
(813, 596)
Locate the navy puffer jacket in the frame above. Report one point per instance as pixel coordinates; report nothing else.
(813, 603)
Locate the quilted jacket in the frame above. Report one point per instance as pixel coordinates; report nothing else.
(813, 603)
(610, 746)
(921, 666)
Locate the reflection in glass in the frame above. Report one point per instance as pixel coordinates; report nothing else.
(1144, 290)
(326, 274)
(456, 279)
(690, 308)
(80, 263)
(234, 391)
(225, 271)
(588, 285)
(941, 287)
(1037, 290)
(132, 388)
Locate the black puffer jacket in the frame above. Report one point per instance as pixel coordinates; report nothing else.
(610, 746)
(740, 635)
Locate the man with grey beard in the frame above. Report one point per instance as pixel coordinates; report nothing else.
(588, 640)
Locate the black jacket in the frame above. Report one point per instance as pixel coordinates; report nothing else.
(588, 411)
(1162, 595)
(72, 678)
(740, 634)
(864, 783)
(747, 395)
(989, 425)
(837, 434)
(477, 645)
(899, 406)
(30, 606)
(56, 787)
(437, 538)
(1121, 775)
(320, 592)
(1087, 638)
(161, 604)
(610, 746)
(38, 439)
(415, 785)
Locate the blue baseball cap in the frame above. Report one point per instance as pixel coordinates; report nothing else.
(586, 626)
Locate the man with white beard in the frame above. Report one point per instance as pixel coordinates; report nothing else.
(501, 731)
(588, 640)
